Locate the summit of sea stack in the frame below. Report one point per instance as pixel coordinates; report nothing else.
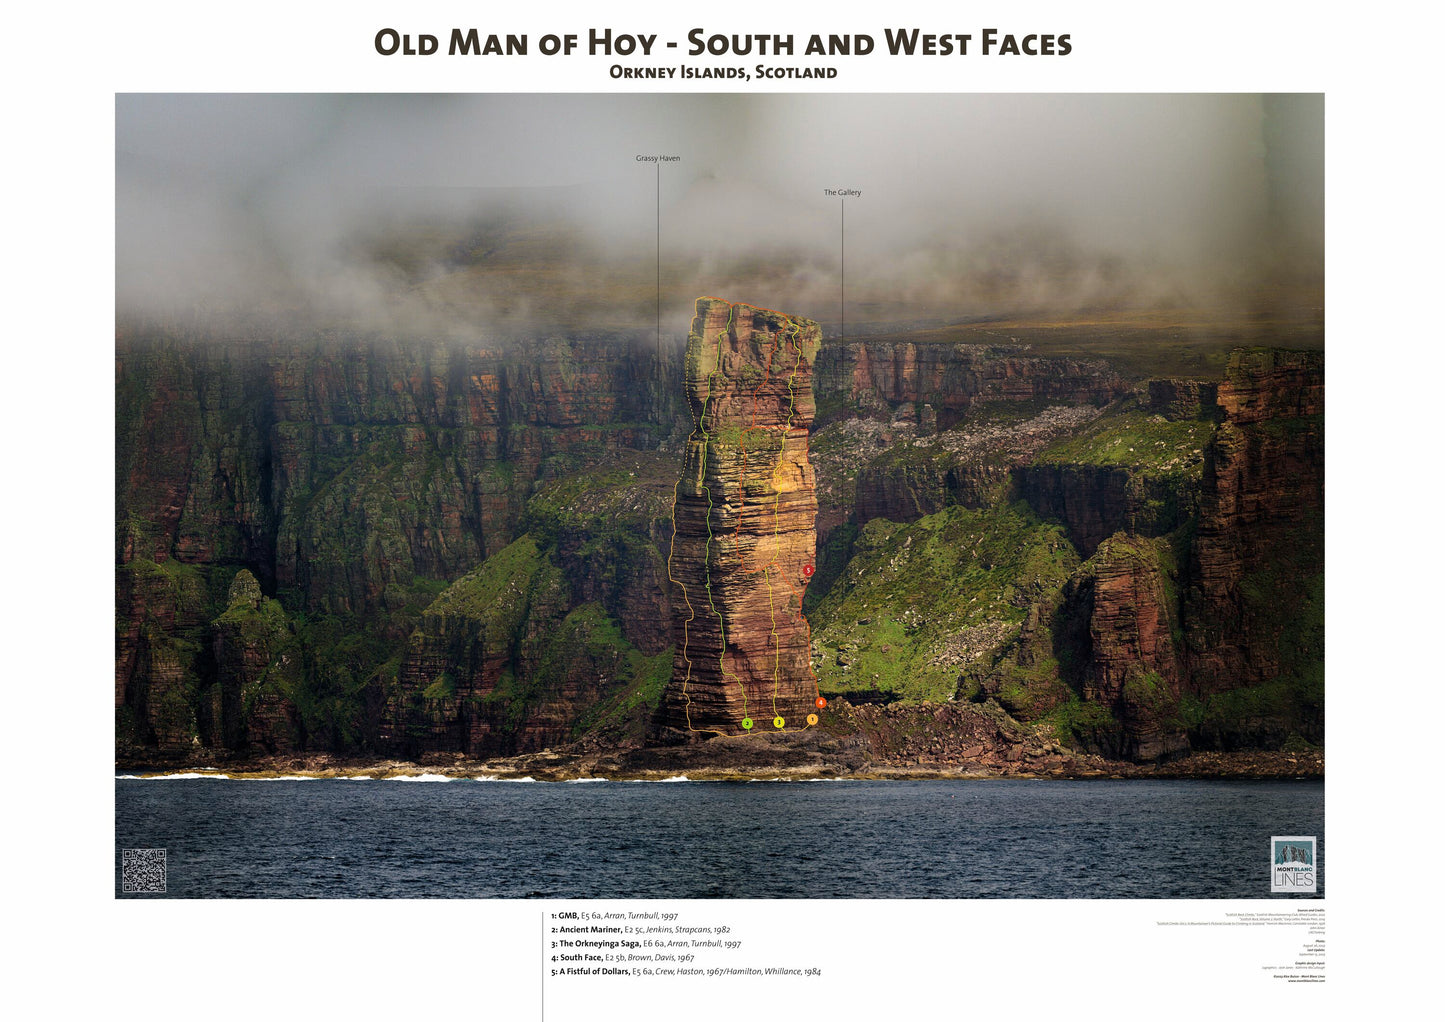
(743, 543)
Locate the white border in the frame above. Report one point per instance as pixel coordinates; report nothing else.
(85, 951)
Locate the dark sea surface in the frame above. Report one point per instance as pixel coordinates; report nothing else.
(843, 839)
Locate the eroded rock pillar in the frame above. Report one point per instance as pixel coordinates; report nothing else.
(743, 540)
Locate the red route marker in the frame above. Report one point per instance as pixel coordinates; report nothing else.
(808, 569)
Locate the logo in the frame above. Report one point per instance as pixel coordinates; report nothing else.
(1292, 865)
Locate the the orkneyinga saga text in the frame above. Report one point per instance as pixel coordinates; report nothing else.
(646, 945)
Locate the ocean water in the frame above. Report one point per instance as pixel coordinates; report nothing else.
(842, 839)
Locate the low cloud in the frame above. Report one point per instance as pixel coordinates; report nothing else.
(496, 215)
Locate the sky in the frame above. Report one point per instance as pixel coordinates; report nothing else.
(507, 212)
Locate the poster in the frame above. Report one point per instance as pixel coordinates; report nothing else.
(1061, 235)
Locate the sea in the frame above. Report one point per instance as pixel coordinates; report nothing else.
(461, 838)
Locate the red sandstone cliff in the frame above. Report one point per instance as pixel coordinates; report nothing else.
(955, 378)
(1255, 609)
(360, 481)
(1134, 665)
(744, 517)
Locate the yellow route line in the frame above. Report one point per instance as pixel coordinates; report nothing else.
(766, 569)
(707, 549)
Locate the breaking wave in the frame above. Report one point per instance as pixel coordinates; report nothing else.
(422, 777)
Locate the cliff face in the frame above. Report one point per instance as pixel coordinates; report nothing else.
(970, 465)
(1096, 501)
(1256, 599)
(459, 675)
(1183, 399)
(1133, 663)
(351, 472)
(1272, 383)
(1191, 614)
(257, 666)
(563, 633)
(955, 378)
(370, 546)
(744, 540)
(904, 492)
(203, 660)
(1134, 470)
(163, 612)
(354, 479)
(952, 605)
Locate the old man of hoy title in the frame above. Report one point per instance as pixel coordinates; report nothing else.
(901, 42)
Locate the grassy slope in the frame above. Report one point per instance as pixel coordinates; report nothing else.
(1134, 438)
(886, 625)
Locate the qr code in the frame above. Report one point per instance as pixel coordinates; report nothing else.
(143, 871)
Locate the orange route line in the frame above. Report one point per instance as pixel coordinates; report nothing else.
(692, 614)
(743, 475)
(742, 503)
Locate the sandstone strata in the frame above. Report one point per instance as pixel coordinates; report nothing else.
(1097, 501)
(1134, 666)
(1181, 399)
(256, 668)
(350, 472)
(362, 481)
(353, 478)
(568, 627)
(744, 520)
(1255, 608)
(953, 379)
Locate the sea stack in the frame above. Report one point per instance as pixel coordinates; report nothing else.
(743, 540)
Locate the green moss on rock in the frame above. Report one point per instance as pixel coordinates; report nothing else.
(1135, 439)
(917, 603)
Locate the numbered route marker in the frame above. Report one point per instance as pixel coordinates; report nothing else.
(774, 445)
(812, 718)
(820, 702)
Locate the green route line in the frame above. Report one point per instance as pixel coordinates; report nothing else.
(707, 550)
(777, 498)
(691, 613)
(777, 501)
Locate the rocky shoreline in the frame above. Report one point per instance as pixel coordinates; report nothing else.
(744, 759)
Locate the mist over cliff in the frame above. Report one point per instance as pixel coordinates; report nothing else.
(497, 215)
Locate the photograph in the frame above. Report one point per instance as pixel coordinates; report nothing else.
(719, 495)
